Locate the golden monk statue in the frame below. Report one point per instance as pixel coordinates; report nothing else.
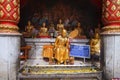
(43, 30)
(62, 48)
(95, 44)
(60, 26)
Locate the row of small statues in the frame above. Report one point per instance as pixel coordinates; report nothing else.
(43, 31)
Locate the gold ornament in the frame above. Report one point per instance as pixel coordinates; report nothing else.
(15, 15)
(106, 15)
(118, 2)
(1, 13)
(14, 2)
(8, 7)
(113, 8)
(1, 1)
(118, 14)
(108, 3)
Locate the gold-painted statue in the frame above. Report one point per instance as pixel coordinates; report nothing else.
(95, 44)
(60, 26)
(29, 27)
(43, 30)
(80, 30)
(77, 32)
(28, 30)
(62, 48)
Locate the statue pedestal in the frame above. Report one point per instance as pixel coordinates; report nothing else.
(9, 52)
(111, 55)
(37, 48)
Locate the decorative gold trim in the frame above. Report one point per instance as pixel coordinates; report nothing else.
(14, 21)
(1, 13)
(113, 8)
(8, 28)
(8, 0)
(15, 2)
(118, 2)
(118, 14)
(106, 15)
(1, 1)
(111, 29)
(15, 16)
(8, 7)
(108, 3)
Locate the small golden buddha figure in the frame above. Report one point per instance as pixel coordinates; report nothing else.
(95, 44)
(77, 32)
(43, 30)
(29, 27)
(62, 48)
(28, 30)
(60, 26)
(80, 30)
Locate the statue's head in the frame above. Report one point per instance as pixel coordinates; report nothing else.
(29, 23)
(64, 33)
(44, 24)
(78, 24)
(97, 35)
(60, 20)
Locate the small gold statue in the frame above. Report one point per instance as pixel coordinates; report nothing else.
(28, 30)
(77, 32)
(80, 30)
(60, 26)
(62, 48)
(29, 27)
(43, 30)
(95, 44)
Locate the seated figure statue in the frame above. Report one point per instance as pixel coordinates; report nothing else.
(29, 27)
(77, 32)
(52, 30)
(60, 26)
(43, 31)
(95, 45)
(62, 48)
(28, 30)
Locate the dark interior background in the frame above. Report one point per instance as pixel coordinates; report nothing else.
(87, 12)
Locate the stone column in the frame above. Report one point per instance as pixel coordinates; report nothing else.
(9, 39)
(111, 39)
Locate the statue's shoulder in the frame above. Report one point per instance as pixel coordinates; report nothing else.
(59, 36)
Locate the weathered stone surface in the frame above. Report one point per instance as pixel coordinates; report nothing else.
(111, 51)
(9, 52)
